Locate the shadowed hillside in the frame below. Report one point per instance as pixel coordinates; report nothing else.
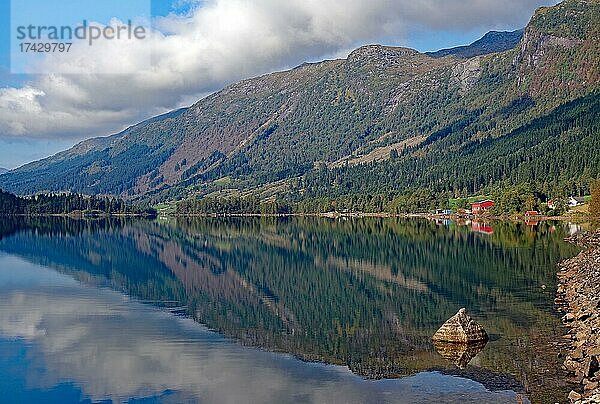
(387, 113)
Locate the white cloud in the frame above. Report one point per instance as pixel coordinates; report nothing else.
(216, 43)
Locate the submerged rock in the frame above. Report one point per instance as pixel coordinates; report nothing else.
(461, 329)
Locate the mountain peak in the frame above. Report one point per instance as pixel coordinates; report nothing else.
(371, 53)
(280, 126)
(369, 59)
(377, 50)
(492, 42)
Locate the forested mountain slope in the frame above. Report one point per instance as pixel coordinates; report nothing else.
(384, 120)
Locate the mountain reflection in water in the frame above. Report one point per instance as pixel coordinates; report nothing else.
(365, 293)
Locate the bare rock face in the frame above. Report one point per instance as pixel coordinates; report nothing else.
(461, 329)
(465, 75)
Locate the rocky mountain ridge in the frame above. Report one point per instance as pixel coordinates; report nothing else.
(492, 42)
(266, 133)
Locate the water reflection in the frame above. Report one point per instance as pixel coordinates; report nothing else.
(367, 294)
(482, 227)
(63, 342)
(459, 354)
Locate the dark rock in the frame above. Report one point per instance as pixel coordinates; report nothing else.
(584, 316)
(591, 366)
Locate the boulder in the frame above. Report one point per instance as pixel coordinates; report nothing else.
(461, 329)
(574, 396)
(591, 366)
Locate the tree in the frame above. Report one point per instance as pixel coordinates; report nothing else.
(463, 203)
(595, 203)
(561, 205)
(530, 203)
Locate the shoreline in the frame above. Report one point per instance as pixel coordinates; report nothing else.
(578, 296)
(359, 215)
(329, 215)
(86, 216)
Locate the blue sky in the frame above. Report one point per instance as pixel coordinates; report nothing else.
(43, 123)
(158, 8)
(15, 151)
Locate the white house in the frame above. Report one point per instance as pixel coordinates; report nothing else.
(572, 202)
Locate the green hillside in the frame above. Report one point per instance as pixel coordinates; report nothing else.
(385, 120)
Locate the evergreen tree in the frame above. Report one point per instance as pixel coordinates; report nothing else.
(595, 203)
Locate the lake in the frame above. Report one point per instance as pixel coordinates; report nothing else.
(244, 310)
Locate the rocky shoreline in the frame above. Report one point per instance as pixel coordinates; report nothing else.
(579, 297)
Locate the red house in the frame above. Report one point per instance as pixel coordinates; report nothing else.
(480, 208)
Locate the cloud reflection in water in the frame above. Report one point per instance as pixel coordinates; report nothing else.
(111, 347)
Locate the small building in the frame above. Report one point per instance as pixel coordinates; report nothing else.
(482, 207)
(532, 213)
(572, 202)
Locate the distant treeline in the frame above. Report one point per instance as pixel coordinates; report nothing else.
(378, 203)
(51, 204)
(233, 206)
(510, 200)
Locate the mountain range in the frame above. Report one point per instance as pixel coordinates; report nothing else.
(492, 42)
(513, 107)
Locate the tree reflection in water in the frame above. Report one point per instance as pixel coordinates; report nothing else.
(366, 293)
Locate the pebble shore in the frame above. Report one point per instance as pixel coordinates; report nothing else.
(579, 297)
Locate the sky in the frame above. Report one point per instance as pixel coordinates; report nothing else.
(196, 47)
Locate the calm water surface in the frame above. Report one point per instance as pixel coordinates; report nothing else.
(266, 310)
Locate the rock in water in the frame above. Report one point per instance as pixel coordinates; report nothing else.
(461, 329)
